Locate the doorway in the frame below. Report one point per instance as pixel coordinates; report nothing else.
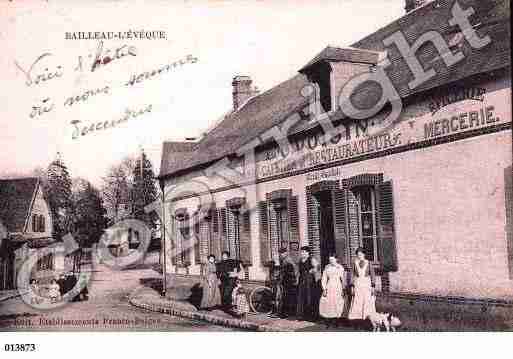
(326, 226)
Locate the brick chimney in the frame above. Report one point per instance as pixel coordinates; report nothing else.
(413, 4)
(242, 90)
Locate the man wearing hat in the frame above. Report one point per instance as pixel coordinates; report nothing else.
(305, 287)
(287, 282)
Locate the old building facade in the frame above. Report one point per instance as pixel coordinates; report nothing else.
(427, 192)
(25, 215)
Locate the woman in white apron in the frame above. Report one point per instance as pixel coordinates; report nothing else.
(362, 288)
(331, 304)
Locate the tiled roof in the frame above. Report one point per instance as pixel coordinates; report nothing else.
(339, 54)
(272, 107)
(493, 15)
(257, 115)
(16, 197)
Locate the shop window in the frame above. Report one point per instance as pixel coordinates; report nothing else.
(235, 233)
(279, 225)
(355, 212)
(367, 226)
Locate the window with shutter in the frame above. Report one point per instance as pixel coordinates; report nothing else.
(173, 241)
(281, 217)
(214, 234)
(265, 244)
(387, 234)
(342, 247)
(186, 240)
(224, 229)
(365, 197)
(312, 219)
(245, 238)
(196, 238)
(41, 223)
(35, 221)
(233, 233)
(294, 238)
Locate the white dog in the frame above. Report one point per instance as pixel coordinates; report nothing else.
(389, 321)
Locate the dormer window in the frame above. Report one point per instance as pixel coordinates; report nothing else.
(331, 69)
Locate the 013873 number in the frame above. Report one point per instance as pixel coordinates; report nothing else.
(19, 347)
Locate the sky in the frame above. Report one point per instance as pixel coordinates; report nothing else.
(267, 40)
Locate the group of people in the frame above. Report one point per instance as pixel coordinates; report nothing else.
(57, 289)
(305, 292)
(222, 286)
(301, 290)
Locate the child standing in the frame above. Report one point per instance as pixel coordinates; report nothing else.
(54, 291)
(34, 287)
(239, 300)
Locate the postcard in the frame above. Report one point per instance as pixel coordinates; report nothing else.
(250, 166)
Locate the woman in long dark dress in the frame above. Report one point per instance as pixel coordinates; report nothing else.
(211, 295)
(227, 271)
(305, 286)
(316, 287)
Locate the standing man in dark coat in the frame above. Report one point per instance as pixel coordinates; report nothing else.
(287, 282)
(227, 272)
(305, 289)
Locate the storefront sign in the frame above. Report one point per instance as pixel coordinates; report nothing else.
(456, 95)
(374, 136)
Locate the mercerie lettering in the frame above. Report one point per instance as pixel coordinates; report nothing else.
(129, 114)
(460, 122)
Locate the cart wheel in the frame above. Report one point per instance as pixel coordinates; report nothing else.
(261, 300)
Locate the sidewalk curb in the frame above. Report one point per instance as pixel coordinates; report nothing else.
(11, 296)
(227, 322)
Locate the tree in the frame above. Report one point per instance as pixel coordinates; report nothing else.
(144, 190)
(116, 190)
(58, 193)
(89, 220)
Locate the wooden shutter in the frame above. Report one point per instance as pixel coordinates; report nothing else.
(340, 222)
(293, 212)
(353, 224)
(205, 236)
(215, 245)
(313, 224)
(265, 243)
(187, 241)
(388, 250)
(245, 238)
(274, 241)
(196, 237)
(233, 234)
(223, 218)
(173, 241)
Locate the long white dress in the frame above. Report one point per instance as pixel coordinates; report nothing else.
(332, 305)
(363, 303)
